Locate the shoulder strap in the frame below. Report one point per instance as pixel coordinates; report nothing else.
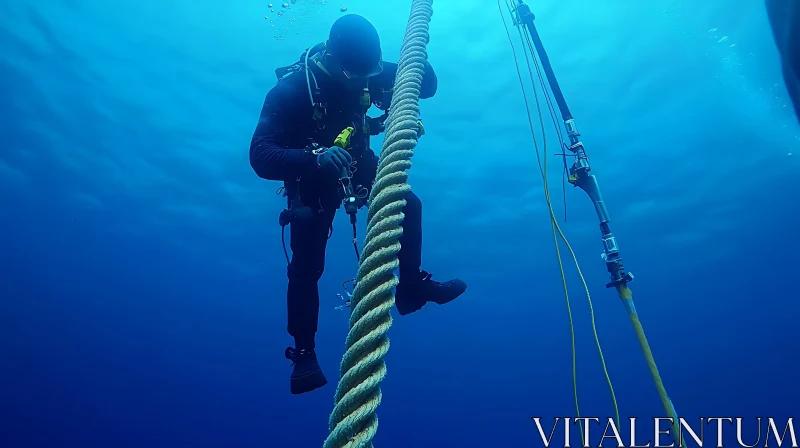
(302, 68)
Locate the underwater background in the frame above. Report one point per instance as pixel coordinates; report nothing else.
(142, 290)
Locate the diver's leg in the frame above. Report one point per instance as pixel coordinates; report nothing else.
(308, 241)
(309, 238)
(410, 256)
(416, 287)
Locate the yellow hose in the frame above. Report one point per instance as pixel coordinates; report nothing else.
(626, 296)
(353, 422)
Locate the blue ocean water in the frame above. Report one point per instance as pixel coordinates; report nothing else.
(143, 285)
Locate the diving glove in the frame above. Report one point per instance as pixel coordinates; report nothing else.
(333, 160)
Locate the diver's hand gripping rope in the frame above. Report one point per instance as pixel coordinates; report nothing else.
(353, 422)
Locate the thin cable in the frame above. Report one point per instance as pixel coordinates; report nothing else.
(355, 243)
(283, 242)
(547, 198)
(563, 237)
(543, 85)
(551, 109)
(554, 222)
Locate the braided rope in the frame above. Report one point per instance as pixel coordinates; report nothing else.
(353, 422)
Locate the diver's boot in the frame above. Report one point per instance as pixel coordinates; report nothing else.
(412, 293)
(307, 374)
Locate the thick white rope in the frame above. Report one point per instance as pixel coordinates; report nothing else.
(353, 422)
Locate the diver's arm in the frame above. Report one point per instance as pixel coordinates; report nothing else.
(429, 81)
(281, 122)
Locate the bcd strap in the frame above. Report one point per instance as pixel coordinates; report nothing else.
(365, 99)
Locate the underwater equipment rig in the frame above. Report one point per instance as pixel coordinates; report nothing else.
(580, 176)
(580, 172)
(349, 197)
(297, 212)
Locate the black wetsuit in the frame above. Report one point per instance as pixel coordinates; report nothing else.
(278, 151)
(784, 18)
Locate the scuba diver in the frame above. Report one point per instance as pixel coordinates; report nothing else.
(298, 140)
(784, 19)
